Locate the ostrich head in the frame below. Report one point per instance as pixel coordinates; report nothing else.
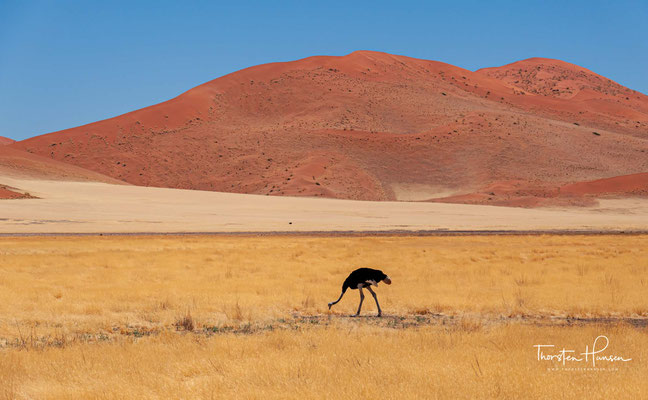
(386, 279)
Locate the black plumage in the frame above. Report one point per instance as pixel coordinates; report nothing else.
(363, 278)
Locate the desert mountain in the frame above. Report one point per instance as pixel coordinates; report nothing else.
(375, 126)
(5, 140)
(20, 164)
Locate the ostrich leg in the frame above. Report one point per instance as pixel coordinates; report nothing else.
(375, 298)
(361, 300)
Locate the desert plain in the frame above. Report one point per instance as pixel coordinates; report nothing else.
(98, 207)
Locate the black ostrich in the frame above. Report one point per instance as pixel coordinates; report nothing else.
(363, 278)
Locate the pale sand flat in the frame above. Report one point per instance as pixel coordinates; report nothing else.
(91, 207)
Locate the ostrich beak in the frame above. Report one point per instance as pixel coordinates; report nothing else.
(387, 281)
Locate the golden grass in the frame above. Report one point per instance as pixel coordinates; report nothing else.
(148, 317)
(84, 283)
(342, 361)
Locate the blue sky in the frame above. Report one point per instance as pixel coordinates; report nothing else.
(67, 63)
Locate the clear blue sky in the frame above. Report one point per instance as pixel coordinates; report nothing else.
(67, 63)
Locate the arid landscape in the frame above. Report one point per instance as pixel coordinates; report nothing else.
(556, 139)
(223, 317)
(189, 249)
(94, 207)
(376, 126)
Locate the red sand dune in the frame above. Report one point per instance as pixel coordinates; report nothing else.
(359, 125)
(21, 164)
(9, 193)
(529, 194)
(635, 184)
(5, 140)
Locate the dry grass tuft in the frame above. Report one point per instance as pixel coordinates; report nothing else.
(186, 322)
(467, 324)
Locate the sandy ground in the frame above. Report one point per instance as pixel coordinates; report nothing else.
(420, 192)
(91, 207)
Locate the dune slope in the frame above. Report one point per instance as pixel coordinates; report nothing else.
(371, 126)
(21, 164)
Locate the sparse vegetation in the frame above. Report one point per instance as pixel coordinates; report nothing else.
(186, 322)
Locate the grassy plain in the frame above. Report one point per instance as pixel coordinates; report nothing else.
(246, 317)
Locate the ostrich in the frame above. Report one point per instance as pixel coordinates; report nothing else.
(363, 278)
